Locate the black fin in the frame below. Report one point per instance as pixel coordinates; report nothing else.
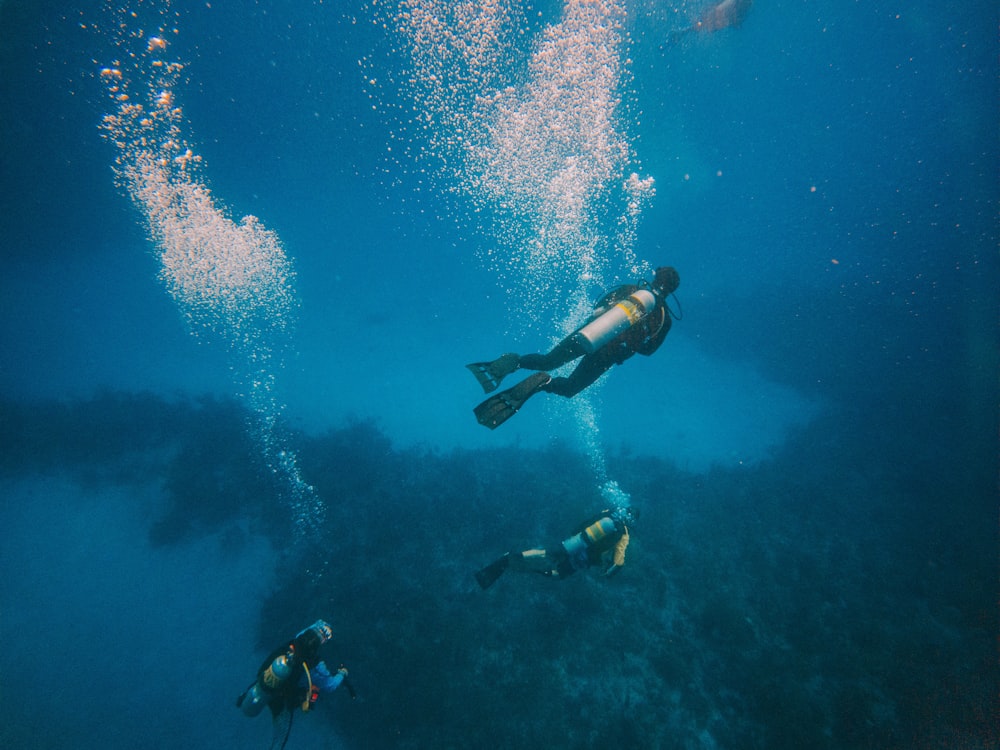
(489, 374)
(488, 575)
(497, 409)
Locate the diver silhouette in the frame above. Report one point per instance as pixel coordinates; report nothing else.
(630, 319)
(598, 541)
(292, 677)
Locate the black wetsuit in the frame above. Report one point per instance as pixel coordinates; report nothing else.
(643, 338)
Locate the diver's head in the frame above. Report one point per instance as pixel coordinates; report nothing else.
(309, 640)
(666, 280)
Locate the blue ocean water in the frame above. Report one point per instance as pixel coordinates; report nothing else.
(813, 449)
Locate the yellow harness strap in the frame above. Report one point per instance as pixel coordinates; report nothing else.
(307, 703)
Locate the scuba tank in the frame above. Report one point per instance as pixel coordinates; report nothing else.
(619, 318)
(269, 683)
(577, 544)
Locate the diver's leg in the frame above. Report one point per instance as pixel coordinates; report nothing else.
(532, 561)
(589, 370)
(565, 568)
(565, 351)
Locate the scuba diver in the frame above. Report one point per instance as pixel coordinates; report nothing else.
(292, 677)
(630, 319)
(598, 541)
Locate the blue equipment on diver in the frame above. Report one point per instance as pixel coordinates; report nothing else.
(619, 318)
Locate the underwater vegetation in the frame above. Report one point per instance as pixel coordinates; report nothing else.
(785, 605)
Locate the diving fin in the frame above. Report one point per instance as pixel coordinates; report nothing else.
(488, 575)
(497, 409)
(281, 727)
(489, 374)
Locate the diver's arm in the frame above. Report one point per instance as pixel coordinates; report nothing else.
(325, 681)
